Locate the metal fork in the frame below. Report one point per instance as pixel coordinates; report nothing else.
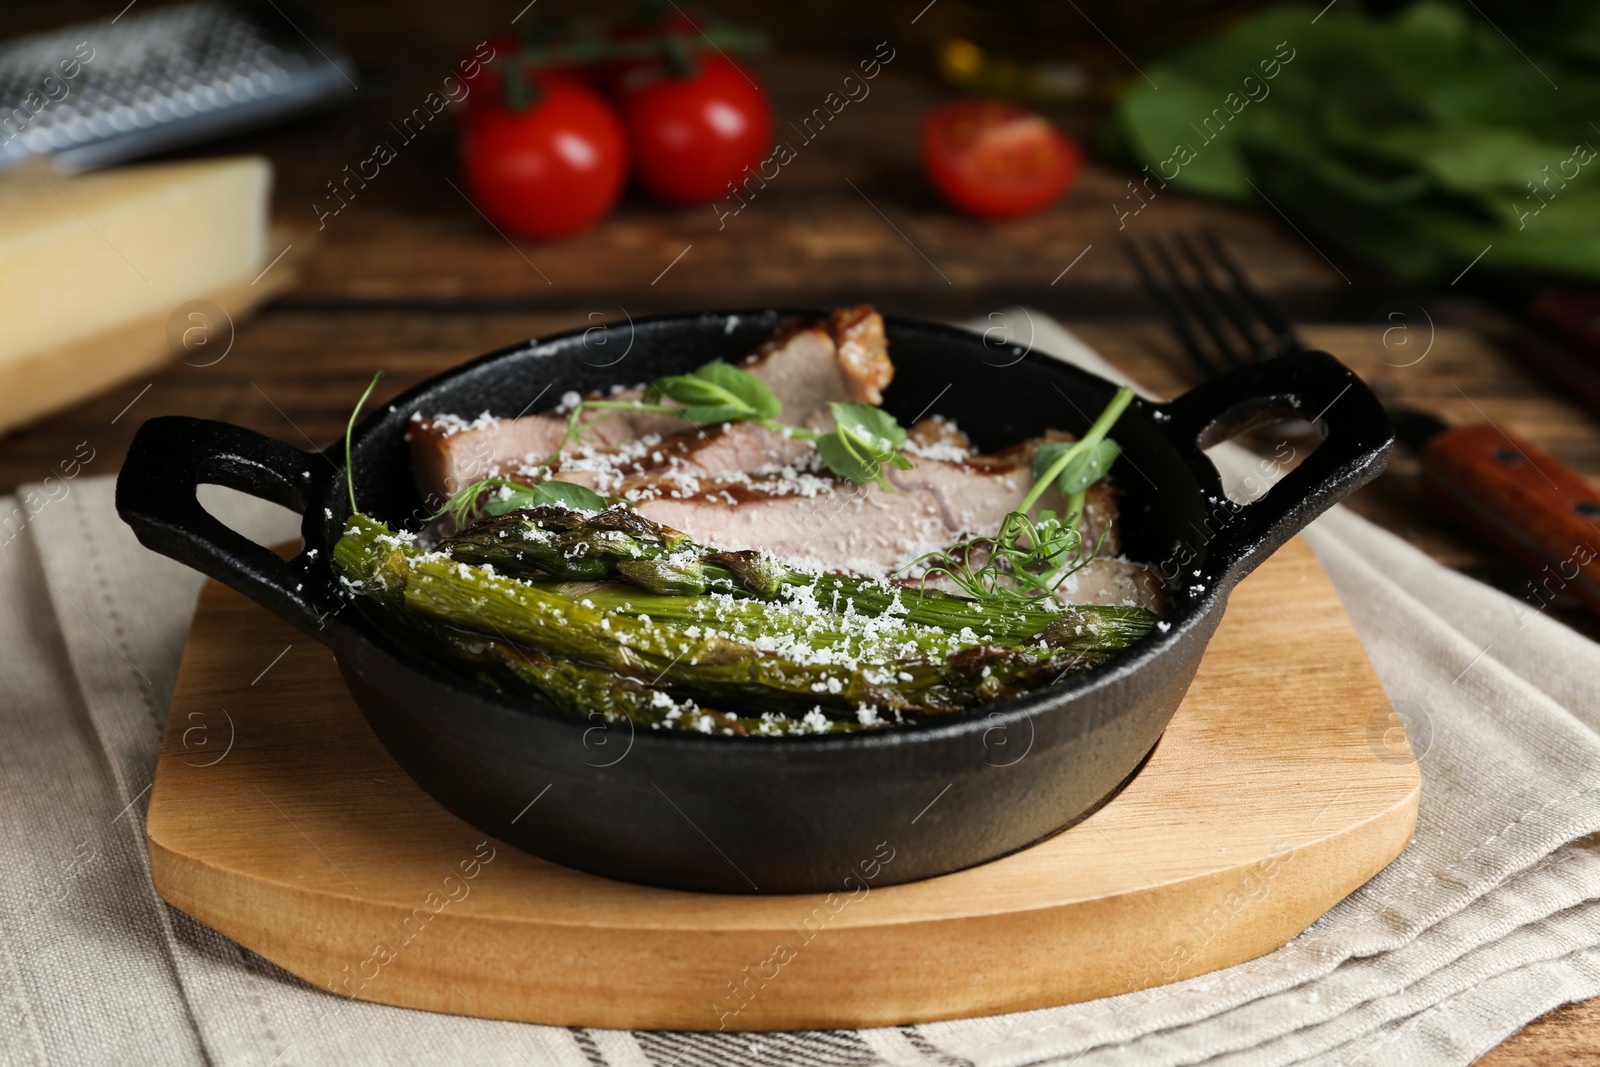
(1219, 319)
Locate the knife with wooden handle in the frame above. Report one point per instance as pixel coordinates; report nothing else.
(1516, 497)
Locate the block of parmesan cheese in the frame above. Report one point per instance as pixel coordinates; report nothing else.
(106, 253)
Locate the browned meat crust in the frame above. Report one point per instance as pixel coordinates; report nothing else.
(863, 352)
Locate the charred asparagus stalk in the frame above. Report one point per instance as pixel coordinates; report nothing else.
(689, 661)
(584, 691)
(769, 624)
(564, 543)
(620, 543)
(369, 562)
(1092, 633)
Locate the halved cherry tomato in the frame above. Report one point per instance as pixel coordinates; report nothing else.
(549, 170)
(692, 135)
(996, 160)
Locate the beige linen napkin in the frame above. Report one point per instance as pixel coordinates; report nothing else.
(1488, 920)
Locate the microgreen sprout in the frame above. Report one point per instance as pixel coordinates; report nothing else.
(1028, 559)
(349, 429)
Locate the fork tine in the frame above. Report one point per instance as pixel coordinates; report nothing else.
(1283, 338)
(1172, 312)
(1199, 309)
(1247, 329)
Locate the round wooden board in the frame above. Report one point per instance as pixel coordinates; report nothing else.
(1281, 785)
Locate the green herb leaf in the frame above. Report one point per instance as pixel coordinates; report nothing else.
(504, 495)
(686, 389)
(717, 392)
(864, 439)
(1085, 468)
(512, 497)
(750, 390)
(867, 423)
(509, 498)
(463, 508)
(1045, 456)
(569, 495)
(710, 414)
(847, 463)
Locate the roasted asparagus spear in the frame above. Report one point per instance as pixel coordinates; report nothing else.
(620, 543)
(696, 660)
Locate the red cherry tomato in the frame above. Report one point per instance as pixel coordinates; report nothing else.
(691, 136)
(550, 170)
(995, 160)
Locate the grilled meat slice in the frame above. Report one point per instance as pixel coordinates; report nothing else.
(802, 514)
(716, 451)
(977, 492)
(806, 364)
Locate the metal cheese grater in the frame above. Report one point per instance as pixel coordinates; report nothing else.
(97, 93)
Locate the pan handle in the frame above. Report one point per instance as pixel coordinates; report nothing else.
(1357, 440)
(172, 456)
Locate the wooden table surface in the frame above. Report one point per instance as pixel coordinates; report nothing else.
(410, 279)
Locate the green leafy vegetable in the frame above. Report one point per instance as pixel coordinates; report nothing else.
(1416, 140)
(717, 392)
(863, 441)
(1082, 470)
(566, 494)
(504, 495)
(1083, 451)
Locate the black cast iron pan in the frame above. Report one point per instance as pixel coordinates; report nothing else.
(776, 815)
